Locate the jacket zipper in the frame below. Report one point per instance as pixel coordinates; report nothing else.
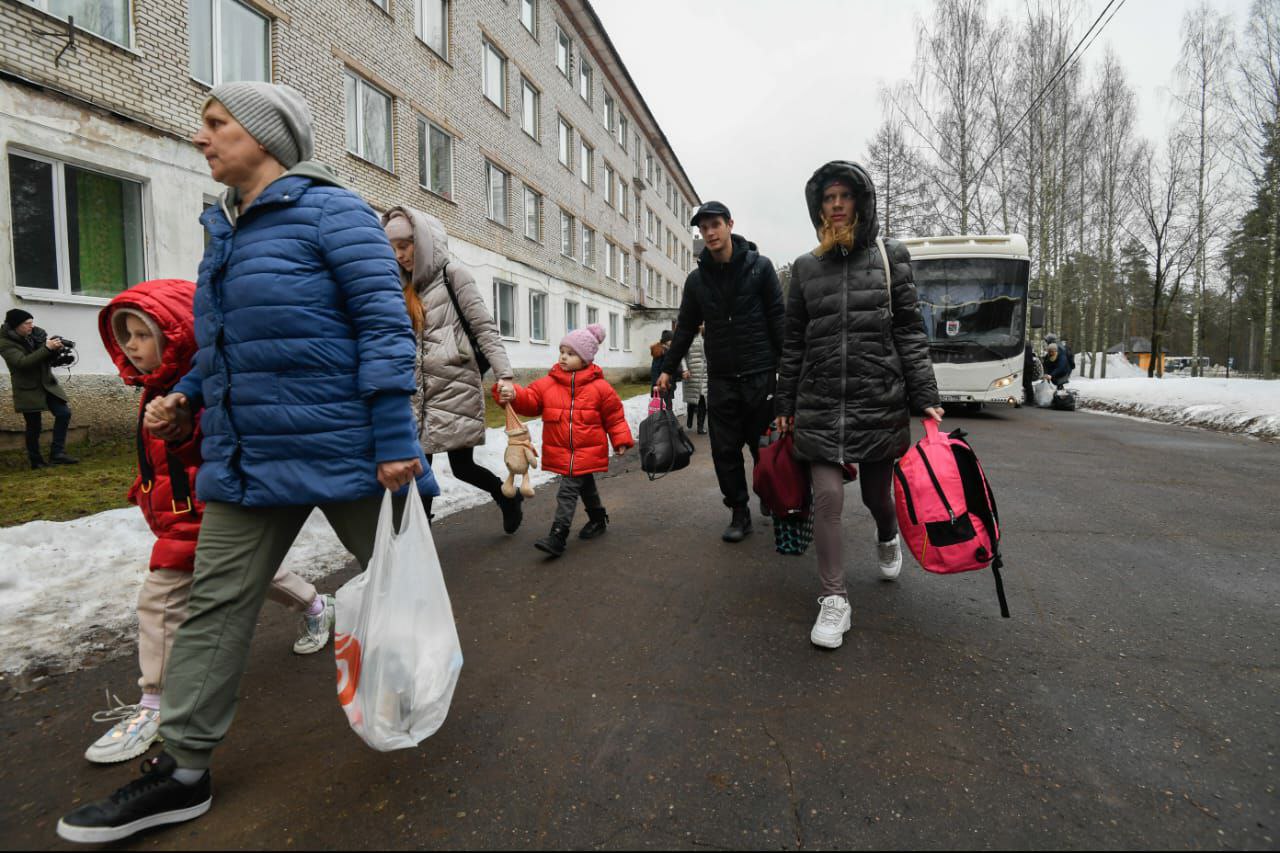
(573, 392)
(844, 347)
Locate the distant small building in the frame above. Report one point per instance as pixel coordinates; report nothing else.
(1137, 351)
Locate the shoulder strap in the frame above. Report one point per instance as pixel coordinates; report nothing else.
(888, 273)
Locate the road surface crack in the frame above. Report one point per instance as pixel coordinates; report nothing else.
(797, 827)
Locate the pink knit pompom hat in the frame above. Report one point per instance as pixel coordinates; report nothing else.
(585, 342)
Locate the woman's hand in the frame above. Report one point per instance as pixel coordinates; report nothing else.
(784, 424)
(935, 412)
(396, 475)
(169, 418)
(506, 391)
(621, 451)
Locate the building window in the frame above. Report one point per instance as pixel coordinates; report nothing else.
(75, 231)
(368, 121)
(504, 303)
(229, 41)
(588, 247)
(624, 268)
(529, 16)
(609, 185)
(431, 23)
(495, 76)
(593, 315)
(107, 18)
(586, 161)
(495, 181)
(566, 144)
(584, 80)
(610, 113)
(566, 234)
(622, 131)
(435, 159)
(570, 316)
(609, 251)
(538, 317)
(613, 331)
(532, 214)
(626, 335)
(622, 198)
(529, 101)
(564, 51)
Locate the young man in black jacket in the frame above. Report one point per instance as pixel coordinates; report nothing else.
(735, 292)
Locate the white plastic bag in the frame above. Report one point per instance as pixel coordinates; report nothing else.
(395, 642)
(1044, 393)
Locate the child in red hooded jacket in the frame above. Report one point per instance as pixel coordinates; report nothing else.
(148, 332)
(581, 415)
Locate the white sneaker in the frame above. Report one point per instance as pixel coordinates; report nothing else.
(889, 555)
(138, 728)
(834, 620)
(313, 632)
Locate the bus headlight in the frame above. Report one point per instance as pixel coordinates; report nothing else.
(1003, 381)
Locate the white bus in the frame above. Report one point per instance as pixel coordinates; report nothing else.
(973, 297)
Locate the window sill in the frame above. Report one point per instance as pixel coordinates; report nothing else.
(539, 341)
(532, 138)
(501, 110)
(434, 194)
(504, 226)
(533, 240)
(434, 53)
(511, 339)
(359, 159)
(53, 297)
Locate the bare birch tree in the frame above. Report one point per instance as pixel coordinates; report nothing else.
(900, 181)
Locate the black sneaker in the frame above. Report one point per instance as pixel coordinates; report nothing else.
(512, 510)
(554, 542)
(596, 526)
(154, 800)
(63, 459)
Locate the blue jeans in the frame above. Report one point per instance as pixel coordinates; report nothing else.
(61, 421)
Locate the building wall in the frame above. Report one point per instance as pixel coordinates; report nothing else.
(130, 110)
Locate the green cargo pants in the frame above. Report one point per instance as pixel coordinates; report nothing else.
(236, 557)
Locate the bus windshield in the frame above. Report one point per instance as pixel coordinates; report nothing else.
(974, 309)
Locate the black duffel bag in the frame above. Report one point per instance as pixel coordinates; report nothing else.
(1064, 400)
(663, 445)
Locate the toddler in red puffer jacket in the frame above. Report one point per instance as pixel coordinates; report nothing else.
(581, 416)
(148, 332)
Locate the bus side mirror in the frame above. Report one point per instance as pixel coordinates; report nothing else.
(1037, 316)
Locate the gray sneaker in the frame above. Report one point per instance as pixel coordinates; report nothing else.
(889, 556)
(135, 733)
(313, 632)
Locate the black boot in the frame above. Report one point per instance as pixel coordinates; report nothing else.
(37, 461)
(690, 421)
(598, 521)
(512, 510)
(554, 542)
(59, 457)
(739, 527)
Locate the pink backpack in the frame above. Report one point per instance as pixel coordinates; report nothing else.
(946, 510)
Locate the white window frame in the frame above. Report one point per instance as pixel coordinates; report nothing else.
(588, 246)
(586, 162)
(215, 23)
(564, 44)
(593, 315)
(564, 142)
(624, 197)
(532, 24)
(586, 80)
(61, 239)
(361, 85)
(43, 6)
(610, 113)
(626, 334)
(487, 48)
(525, 88)
(531, 193)
(571, 316)
(613, 331)
(567, 227)
(498, 284)
(623, 130)
(610, 185)
(425, 126)
(489, 169)
(538, 300)
(625, 268)
(609, 266)
(419, 20)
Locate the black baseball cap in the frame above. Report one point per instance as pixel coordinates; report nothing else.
(710, 208)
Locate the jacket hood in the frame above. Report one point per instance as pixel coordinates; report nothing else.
(864, 193)
(741, 248)
(167, 304)
(430, 244)
(579, 378)
(315, 170)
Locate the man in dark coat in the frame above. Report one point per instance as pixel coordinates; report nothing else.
(30, 353)
(1057, 364)
(735, 291)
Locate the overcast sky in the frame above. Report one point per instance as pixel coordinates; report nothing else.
(756, 94)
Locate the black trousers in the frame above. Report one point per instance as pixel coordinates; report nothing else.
(739, 409)
(463, 464)
(61, 421)
(571, 489)
(700, 410)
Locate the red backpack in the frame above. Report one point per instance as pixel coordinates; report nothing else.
(946, 510)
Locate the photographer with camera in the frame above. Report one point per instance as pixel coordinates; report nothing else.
(31, 355)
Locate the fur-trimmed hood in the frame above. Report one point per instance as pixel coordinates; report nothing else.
(430, 245)
(864, 193)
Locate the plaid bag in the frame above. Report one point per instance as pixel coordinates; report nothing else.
(793, 535)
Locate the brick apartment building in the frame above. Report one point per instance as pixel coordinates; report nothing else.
(513, 121)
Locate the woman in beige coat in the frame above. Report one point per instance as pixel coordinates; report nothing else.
(449, 402)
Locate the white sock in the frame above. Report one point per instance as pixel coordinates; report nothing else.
(187, 776)
(150, 701)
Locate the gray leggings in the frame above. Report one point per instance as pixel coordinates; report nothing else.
(876, 479)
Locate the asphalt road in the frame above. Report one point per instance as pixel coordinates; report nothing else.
(656, 688)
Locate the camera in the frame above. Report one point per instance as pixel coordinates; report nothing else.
(65, 356)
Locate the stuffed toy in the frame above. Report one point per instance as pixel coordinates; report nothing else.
(520, 456)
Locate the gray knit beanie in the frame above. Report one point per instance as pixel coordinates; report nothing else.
(275, 115)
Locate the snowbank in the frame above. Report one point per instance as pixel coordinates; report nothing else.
(1250, 406)
(1118, 367)
(70, 588)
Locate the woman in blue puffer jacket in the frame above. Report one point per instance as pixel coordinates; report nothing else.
(304, 371)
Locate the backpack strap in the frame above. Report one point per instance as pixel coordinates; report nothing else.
(888, 274)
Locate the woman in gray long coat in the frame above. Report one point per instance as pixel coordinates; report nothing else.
(854, 353)
(449, 402)
(695, 382)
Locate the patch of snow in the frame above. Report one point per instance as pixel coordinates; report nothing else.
(1250, 406)
(67, 585)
